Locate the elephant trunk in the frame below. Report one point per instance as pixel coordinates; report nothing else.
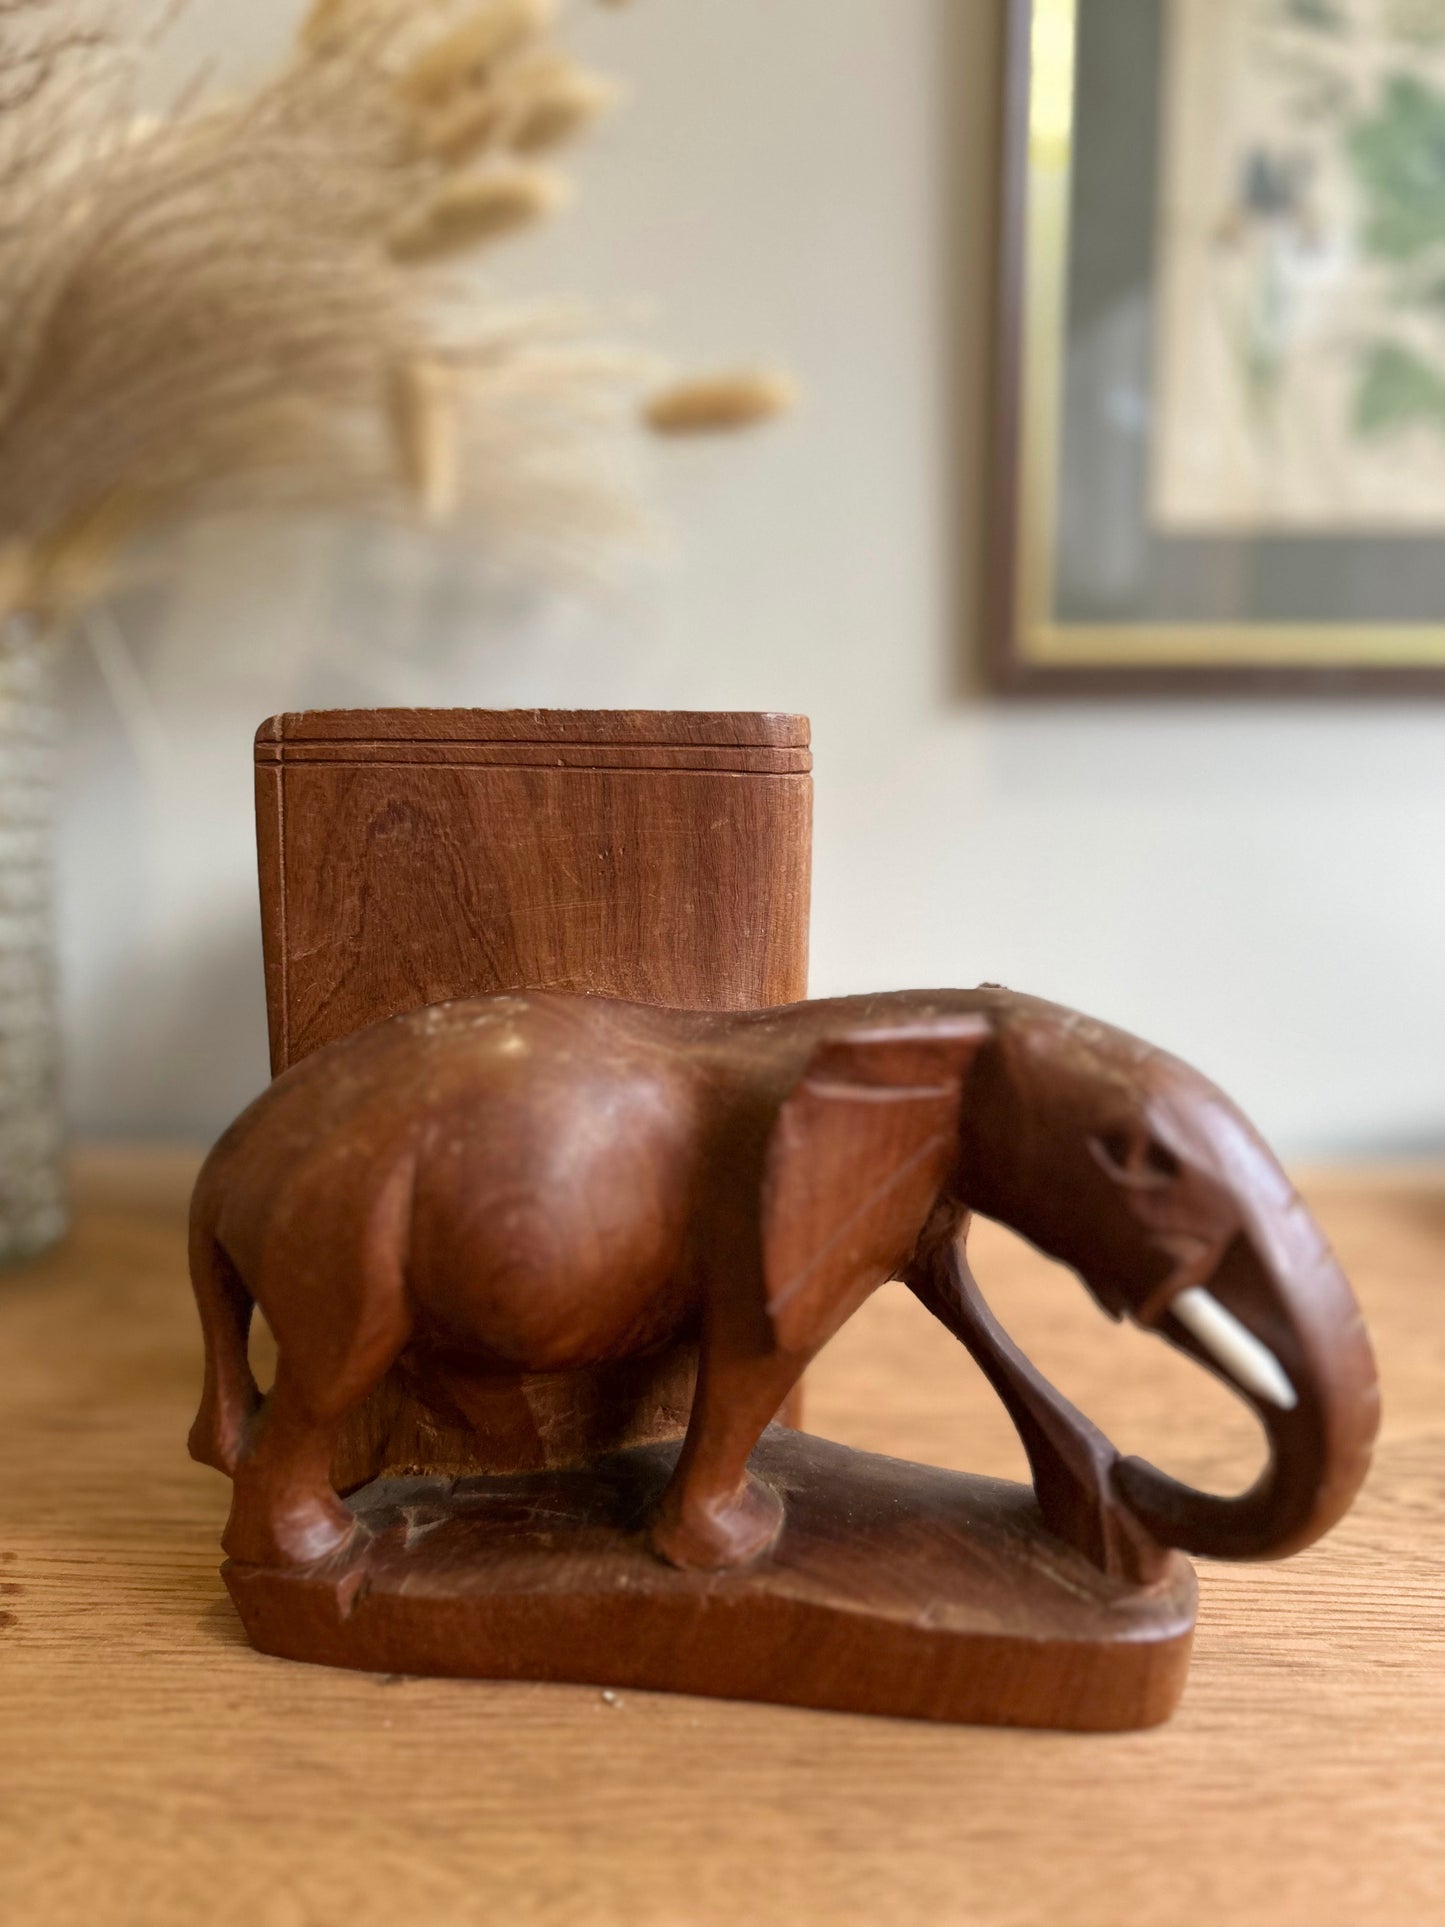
(1278, 1322)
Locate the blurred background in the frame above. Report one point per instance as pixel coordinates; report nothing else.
(812, 184)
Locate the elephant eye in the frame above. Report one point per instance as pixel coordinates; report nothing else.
(1135, 1158)
(1114, 1148)
(1160, 1158)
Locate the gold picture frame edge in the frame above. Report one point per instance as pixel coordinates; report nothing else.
(1029, 653)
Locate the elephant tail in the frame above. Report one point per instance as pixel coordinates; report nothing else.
(230, 1397)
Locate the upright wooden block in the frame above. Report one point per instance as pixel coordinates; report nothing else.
(412, 856)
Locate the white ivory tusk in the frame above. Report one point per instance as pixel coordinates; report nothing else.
(1250, 1364)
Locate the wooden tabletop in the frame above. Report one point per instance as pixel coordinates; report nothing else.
(154, 1770)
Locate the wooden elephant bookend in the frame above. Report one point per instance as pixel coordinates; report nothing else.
(559, 1190)
(541, 1184)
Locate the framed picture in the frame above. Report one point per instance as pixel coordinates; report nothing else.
(1221, 439)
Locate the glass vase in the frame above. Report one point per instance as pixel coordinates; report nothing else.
(32, 1144)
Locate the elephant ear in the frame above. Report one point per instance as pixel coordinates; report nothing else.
(860, 1150)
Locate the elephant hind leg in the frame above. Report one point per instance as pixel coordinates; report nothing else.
(284, 1508)
(230, 1398)
(284, 1511)
(337, 1302)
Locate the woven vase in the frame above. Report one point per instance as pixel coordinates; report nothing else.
(32, 1179)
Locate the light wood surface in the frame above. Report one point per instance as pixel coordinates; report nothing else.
(154, 1770)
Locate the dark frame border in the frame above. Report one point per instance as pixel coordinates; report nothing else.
(1010, 672)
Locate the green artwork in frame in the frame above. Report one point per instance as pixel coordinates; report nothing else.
(1221, 447)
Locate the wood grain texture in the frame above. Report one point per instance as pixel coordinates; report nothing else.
(156, 1771)
(674, 728)
(411, 856)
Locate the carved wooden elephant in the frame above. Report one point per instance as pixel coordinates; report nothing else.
(546, 1182)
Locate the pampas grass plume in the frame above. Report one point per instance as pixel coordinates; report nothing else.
(243, 303)
(476, 208)
(423, 409)
(323, 19)
(459, 130)
(709, 404)
(562, 105)
(486, 36)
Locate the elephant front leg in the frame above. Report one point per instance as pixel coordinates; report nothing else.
(1071, 1461)
(714, 1513)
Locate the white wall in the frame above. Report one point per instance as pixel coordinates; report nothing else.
(1257, 887)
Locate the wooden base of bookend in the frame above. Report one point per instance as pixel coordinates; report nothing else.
(895, 1589)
